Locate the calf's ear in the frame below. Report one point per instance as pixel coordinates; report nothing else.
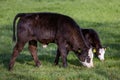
(105, 48)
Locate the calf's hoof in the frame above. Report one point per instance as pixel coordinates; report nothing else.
(38, 64)
(55, 63)
(65, 65)
(10, 68)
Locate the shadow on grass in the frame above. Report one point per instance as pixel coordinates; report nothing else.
(5, 57)
(23, 58)
(88, 24)
(19, 76)
(114, 54)
(102, 73)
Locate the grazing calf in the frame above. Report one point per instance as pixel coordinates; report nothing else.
(93, 40)
(50, 28)
(92, 37)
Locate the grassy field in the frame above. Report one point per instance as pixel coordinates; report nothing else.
(101, 15)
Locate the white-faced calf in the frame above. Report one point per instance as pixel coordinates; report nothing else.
(93, 40)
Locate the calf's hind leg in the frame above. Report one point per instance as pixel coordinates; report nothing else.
(33, 51)
(17, 49)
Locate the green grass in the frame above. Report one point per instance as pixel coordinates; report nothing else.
(101, 15)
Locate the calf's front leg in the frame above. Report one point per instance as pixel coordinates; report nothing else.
(63, 53)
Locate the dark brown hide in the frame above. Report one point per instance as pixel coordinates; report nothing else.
(48, 28)
(92, 37)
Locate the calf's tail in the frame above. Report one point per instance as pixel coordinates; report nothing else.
(14, 23)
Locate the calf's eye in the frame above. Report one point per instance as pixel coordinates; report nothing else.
(88, 59)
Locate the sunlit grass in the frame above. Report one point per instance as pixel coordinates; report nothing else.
(101, 15)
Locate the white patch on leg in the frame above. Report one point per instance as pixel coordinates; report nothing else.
(85, 63)
(102, 52)
(44, 45)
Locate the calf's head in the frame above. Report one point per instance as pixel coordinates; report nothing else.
(101, 53)
(86, 57)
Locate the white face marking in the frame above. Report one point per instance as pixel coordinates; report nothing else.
(102, 52)
(85, 63)
(44, 45)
